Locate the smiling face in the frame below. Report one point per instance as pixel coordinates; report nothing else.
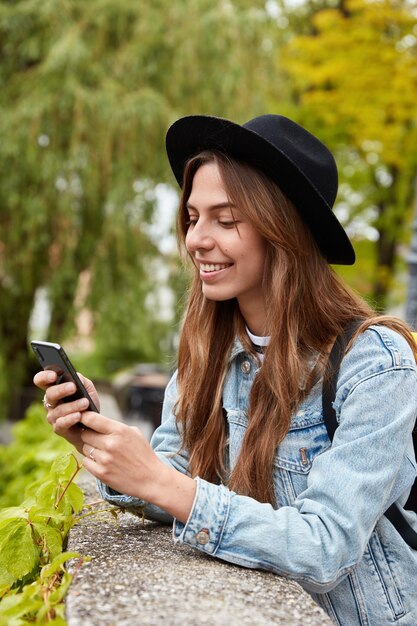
(225, 247)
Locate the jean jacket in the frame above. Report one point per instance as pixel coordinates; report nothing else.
(328, 531)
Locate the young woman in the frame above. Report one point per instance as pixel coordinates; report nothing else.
(242, 464)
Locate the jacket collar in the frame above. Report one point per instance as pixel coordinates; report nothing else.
(237, 348)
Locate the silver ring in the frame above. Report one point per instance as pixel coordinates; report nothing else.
(46, 404)
(91, 455)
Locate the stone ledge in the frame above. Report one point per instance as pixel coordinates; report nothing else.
(138, 576)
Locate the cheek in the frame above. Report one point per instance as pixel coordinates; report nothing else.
(257, 263)
(255, 254)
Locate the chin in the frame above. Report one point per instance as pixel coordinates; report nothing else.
(217, 297)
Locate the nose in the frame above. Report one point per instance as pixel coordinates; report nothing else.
(198, 238)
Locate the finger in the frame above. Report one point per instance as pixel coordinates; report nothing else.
(93, 467)
(88, 384)
(91, 452)
(91, 438)
(57, 409)
(44, 379)
(56, 393)
(85, 381)
(99, 423)
(65, 408)
(62, 424)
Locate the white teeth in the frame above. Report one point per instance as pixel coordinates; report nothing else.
(205, 267)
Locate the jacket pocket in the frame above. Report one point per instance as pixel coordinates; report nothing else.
(306, 439)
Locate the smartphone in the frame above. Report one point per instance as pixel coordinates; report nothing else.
(52, 356)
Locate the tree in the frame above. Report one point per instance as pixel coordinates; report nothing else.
(88, 90)
(354, 75)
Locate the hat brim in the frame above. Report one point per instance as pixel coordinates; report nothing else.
(193, 134)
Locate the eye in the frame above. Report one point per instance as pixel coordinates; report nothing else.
(191, 221)
(228, 223)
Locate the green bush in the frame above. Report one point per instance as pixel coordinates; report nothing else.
(38, 503)
(29, 456)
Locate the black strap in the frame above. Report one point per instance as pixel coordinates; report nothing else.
(329, 414)
(411, 503)
(401, 525)
(331, 375)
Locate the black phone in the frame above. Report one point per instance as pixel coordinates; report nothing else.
(52, 356)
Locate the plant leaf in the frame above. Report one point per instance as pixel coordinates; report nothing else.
(19, 554)
(56, 564)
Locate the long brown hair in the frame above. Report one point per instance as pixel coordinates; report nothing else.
(308, 305)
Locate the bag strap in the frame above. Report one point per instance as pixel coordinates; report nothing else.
(329, 414)
(331, 375)
(401, 525)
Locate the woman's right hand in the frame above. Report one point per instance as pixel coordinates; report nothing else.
(65, 417)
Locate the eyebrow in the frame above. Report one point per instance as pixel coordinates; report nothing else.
(213, 207)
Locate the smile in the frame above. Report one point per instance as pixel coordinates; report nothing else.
(210, 267)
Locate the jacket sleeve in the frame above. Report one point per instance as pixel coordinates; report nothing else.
(166, 442)
(323, 534)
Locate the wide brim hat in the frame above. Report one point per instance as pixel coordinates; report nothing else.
(299, 163)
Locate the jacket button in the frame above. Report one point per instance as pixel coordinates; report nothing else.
(203, 536)
(245, 367)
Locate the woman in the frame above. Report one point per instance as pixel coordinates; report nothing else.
(242, 463)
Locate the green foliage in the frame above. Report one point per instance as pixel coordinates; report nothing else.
(360, 281)
(88, 91)
(29, 456)
(353, 75)
(37, 511)
(33, 533)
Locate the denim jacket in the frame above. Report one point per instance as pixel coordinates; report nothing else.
(328, 531)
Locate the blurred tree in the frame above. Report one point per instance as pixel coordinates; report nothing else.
(88, 90)
(353, 72)
(411, 302)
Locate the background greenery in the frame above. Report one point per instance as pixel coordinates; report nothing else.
(38, 505)
(88, 90)
(29, 456)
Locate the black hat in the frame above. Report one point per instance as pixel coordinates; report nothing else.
(293, 158)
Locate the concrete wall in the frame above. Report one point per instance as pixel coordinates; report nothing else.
(137, 576)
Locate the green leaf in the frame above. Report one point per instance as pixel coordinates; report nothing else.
(63, 467)
(75, 497)
(50, 539)
(39, 514)
(46, 496)
(6, 579)
(19, 555)
(31, 491)
(11, 512)
(21, 604)
(56, 564)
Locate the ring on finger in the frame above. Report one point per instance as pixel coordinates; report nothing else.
(91, 455)
(47, 404)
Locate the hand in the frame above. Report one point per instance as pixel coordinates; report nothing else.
(64, 416)
(122, 458)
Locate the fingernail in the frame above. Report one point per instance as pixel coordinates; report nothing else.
(83, 403)
(50, 377)
(70, 387)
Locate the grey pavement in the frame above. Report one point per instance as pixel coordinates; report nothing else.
(138, 576)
